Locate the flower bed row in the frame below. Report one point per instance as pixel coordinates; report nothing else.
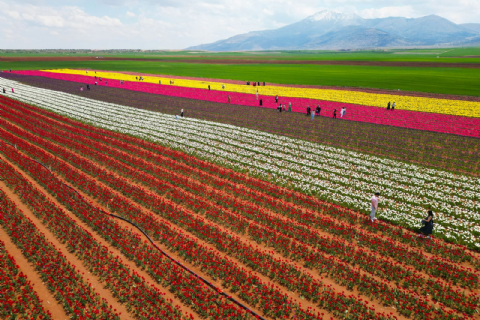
(453, 124)
(350, 184)
(256, 189)
(249, 287)
(126, 285)
(289, 228)
(18, 297)
(303, 254)
(185, 286)
(443, 106)
(79, 300)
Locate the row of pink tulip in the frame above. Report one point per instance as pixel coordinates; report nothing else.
(401, 118)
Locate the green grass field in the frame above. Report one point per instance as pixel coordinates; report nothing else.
(445, 55)
(460, 81)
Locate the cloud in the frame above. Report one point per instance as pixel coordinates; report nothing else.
(384, 12)
(176, 24)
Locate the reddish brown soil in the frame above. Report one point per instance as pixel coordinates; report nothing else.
(244, 238)
(87, 277)
(368, 90)
(47, 299)
(247, 240)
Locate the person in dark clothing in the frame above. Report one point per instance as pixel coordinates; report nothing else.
(88, 87)
(264, 83)
(427, 228)
(208, 87)
(309, 111)
(276, 99)
(335, 114)
(261, 102)
(317, 111)
(95, 77)
(4, 91)
(388, 105)
(181, 113)
(393, 106)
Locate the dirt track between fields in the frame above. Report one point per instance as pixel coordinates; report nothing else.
(413, 64)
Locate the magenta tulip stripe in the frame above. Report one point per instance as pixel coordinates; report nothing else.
(444, 123)
(283, 253)
(17, 296)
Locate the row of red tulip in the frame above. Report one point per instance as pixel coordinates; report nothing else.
(435, 266)
(283, 196)
(187, 287)
(125, 284)
(362, 279)
(250, 287)
(80, 301)
(17, 294)
(333, 245)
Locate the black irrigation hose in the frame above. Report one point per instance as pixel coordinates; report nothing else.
(220, 292)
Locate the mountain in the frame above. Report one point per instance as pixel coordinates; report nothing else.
(331, 30)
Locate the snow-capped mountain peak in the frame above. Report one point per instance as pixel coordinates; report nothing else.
(327, 15)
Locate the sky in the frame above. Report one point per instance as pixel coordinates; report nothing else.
(178, 24)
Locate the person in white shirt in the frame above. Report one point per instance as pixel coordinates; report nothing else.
(374, 206)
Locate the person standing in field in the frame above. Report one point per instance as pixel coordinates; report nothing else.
(308, 111)
(181, 113)
(388, 105)
(335, 114)
(81, 88)
(427, 228)
(374, 206)
(223, 86)
(393, 106)
(4, 91)
(289, 107)
(256, 94)
(208, 87)
(13, 91)
(313, 114)
(261, 102)
(276, 99)
(229, 99)
(318, 110)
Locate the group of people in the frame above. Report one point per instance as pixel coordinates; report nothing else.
(255, 84)
(392, 106)
(5, 91)
(425, 231)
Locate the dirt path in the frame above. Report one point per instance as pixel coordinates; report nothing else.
(241, 200)
(47, 299)
(116, 252)
(244, 239)
(92, 280)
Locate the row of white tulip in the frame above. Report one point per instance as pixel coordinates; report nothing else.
(334, 174)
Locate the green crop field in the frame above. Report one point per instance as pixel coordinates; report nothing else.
(460, 81)
(440, 55)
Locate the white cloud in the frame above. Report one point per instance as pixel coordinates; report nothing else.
(131, 14)
(402, 11)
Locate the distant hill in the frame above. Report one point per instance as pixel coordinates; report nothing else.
(328, 30)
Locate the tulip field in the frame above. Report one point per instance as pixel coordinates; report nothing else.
(129, 213)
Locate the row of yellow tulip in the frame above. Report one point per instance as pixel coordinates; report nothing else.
(443, 106)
